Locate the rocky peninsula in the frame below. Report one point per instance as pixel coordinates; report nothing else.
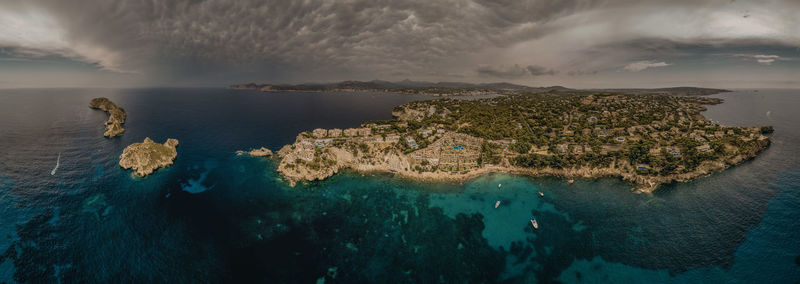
(144, 158)
(647, 140)
(116, 116)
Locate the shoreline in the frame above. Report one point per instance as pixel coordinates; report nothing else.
(561, 174)
(640, 183)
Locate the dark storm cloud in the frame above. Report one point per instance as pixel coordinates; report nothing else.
(513, 72)
(581, 72)
(540, 71)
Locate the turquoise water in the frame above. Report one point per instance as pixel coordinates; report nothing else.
(214, 216)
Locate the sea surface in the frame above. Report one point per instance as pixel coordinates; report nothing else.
(214, 216)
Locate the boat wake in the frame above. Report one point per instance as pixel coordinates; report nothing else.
(58, 161)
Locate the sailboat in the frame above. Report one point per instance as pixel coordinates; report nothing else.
(58, 161)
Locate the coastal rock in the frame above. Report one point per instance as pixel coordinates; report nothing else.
(261, 152)
(144, 158)
(116, 116)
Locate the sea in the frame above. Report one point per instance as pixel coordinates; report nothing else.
(70, 214)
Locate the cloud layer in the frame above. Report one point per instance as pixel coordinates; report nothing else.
(315, 40)
(513, 72)
(642, 65)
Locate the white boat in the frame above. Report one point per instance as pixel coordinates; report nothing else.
(58, 161)
(535, 224)
(497, 204)
(499, 184)
(541, 193)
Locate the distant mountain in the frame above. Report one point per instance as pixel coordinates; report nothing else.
(457, 88)
(675, 91)
(379, 84)
(405, 86)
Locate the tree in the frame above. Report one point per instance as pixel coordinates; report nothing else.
(521, 147)
(639, 152)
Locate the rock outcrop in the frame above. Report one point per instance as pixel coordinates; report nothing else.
(144, 158)
(261, 152)
(116, 116)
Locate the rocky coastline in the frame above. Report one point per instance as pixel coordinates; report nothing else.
(430, 141)
(398, 164)
(146, 157)
(116, 116)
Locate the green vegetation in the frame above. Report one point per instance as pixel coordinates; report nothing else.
(566, 130)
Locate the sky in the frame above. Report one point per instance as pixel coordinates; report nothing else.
(572, 43)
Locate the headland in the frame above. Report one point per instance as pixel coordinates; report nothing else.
(646, 139)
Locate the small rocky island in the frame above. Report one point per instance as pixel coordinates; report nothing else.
(144, 158)
(646, 139)
(116, 116)
(261, 152)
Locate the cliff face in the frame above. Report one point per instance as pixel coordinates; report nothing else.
(144, 158)
(116, 116)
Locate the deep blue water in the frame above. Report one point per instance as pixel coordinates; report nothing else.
(214, 216)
